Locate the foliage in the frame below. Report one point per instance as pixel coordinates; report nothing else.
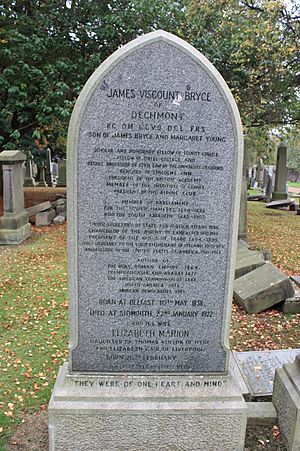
(49, 49)
(255, 46)
(278, 231)
(293, 150)
(260, 143)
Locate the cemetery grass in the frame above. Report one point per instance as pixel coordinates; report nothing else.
(33, 327)
(33, 330)
(278, 231)
(294, 184)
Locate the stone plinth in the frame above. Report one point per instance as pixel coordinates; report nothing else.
(14, 224)
(286, 398)
(146, 413)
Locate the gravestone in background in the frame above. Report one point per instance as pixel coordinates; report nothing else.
(29, 180)
(280, 191)
(62, 173)
(42, 175)
(243, 216)
(14, 224)
(154, 167)
(260, 172)
(48, 170)
(253, 177)
(268, 187)
(55, 170)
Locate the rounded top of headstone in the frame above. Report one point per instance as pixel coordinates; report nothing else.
(12, 155)
(163, 36)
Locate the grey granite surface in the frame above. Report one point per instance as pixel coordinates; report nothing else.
(154, 171)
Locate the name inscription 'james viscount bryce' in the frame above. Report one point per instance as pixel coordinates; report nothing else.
(155, 150)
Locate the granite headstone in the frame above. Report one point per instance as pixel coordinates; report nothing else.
(150, 154)
(155, 143)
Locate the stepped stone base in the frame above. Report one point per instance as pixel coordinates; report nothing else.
(14, 228)
(146, 413)
(15, 236)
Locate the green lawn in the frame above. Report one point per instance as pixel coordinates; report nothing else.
(252, 191)
(294, 184)
(33, 330)
(33, 297)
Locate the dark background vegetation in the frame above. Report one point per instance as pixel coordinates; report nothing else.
(49, 48)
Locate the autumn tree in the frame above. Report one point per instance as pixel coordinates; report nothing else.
(255, 46)
(49, 48)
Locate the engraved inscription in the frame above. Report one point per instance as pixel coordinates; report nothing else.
(156, 154)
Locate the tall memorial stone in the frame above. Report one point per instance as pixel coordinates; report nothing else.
(154, 168)
(243, 222)
(48, 169)
(280, 191)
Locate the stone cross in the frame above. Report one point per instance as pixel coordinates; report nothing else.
(14, 225)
